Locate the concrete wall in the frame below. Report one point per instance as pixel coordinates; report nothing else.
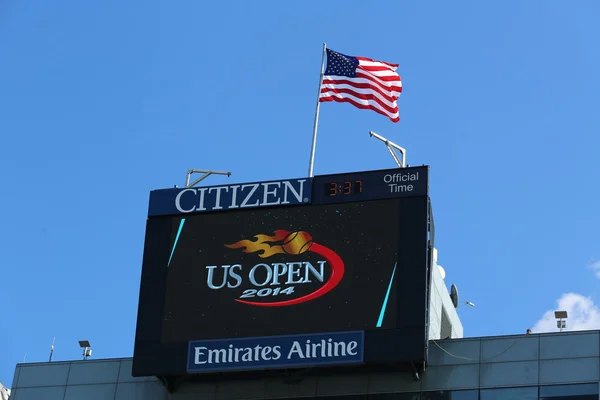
(440, 302)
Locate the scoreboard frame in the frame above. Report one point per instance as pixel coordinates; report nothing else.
(154, 357)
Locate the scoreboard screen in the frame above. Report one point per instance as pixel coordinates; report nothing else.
(331, 254)
(282, 271)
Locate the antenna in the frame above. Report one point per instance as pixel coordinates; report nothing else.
(455, 298)
(52, 349)
(454, 295)
(25, 357)
(390, 146)
(206, 174)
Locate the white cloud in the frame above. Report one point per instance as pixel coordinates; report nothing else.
(596, 267)
(583, 314)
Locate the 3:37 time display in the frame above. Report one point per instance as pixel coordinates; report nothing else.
(343, 188)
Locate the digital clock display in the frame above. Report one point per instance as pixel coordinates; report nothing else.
(343, 188)
(370, 185)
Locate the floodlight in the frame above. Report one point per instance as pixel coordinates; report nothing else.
(85, 345)
(560, 314)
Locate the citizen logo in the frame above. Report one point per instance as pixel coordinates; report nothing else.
(240, 196)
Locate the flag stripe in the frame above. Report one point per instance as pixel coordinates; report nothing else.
(362, 94)
(377, 68)
(362, 99)
(363, 82)
(381, 76)
(370, 60)
(393, 90)
(391, 86)
(393, 118)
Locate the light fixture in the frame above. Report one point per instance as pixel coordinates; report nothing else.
(85, 345)
(561, 316)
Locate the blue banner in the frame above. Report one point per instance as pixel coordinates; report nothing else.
(270, 352)
(230, 197)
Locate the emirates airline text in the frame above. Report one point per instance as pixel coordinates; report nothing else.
(276, 351)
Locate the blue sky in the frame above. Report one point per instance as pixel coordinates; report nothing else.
(100, 103)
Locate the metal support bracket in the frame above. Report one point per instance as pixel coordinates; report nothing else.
(206, 174)
(415, 371)
(391, 146)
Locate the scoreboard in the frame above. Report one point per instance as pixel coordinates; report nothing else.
(330, 270)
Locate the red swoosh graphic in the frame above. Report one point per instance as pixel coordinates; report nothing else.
(337, 273)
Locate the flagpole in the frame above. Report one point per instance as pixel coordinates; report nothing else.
(316, 123)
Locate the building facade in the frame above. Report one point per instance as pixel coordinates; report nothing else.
(553, 366)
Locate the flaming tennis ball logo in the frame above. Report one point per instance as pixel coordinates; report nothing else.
(297, 242)
(282, 242)
(284, 273)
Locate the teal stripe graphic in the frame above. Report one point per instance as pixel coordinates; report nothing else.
(176, 239)
(387, 296)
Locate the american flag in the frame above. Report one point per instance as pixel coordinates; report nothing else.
(362, 82)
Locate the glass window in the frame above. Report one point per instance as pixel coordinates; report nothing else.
(521, 393)
(587, 391)
(451, 395)
(376, 396)
(394, 396)
(344, 397)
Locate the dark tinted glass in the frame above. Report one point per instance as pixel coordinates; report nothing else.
(523, 393)
(586, 391)
(395, 396)
(451, 395)
(379, 396)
